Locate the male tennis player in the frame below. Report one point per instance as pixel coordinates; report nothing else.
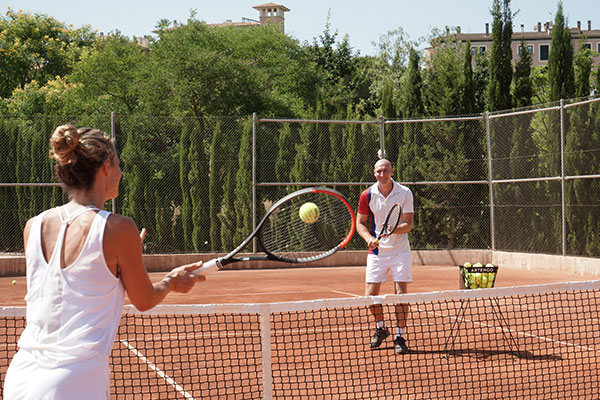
(391, 253)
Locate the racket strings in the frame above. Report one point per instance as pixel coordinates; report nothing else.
(392, 221)
(286, 235)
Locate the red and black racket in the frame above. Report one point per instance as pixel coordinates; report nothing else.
(283, 235)
(391, 222)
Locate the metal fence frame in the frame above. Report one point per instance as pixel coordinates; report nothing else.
(382, 122)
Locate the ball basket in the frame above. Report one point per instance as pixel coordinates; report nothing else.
(477, 277)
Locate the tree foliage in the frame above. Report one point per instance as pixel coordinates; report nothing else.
(35, 47)
(560, 62)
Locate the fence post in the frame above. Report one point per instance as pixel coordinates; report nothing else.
(254, 120)
(562, 178)
(488, 134)
(114, 139)
(382, 137)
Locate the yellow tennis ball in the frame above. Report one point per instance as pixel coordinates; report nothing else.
(14, 282)
(309, 213)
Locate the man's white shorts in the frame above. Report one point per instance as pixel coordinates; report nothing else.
(399, 264)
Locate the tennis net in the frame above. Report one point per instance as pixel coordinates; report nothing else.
(537, 341)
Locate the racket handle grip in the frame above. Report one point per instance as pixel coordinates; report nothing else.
(209, 266)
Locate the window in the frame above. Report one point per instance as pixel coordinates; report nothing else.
(481, 49)
(529, 49)
(587, 46)
(544, 52)
(599, 47)
(474, 50)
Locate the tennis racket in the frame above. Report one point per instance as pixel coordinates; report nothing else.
(391, 222)
(286, 234)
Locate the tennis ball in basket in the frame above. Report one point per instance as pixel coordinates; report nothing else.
(477, 279)
(489, 265)
(309, 213)
(484, 280)
(477, 265)
(467, 265)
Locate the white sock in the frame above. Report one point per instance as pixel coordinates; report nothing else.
(381, 324)
(400, 331)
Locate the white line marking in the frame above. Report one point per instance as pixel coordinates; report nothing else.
(158, 371)
(346, 293)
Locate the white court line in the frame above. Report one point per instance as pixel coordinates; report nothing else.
(346, 293)
(158, 371)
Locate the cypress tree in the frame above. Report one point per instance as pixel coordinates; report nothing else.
(215, 185)
(8, 216)
(198, 180)
(227, 214)
(184, 184)
(413, 107)
(500, 66)
(523, 87)
(578, 160)
(522, 161)
(583, 70)
(467, 94)
(243, 186)
(413, 104)
(560, 62)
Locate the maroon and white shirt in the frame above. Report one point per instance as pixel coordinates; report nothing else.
(376, 206)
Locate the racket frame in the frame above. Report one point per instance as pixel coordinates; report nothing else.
(382, 234)
(220, 262)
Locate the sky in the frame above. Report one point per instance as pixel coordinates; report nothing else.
(363, 21)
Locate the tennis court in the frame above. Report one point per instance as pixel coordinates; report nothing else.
(303, 333)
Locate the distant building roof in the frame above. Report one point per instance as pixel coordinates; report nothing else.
(271, 5)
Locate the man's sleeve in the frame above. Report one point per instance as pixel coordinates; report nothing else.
(363, 202)
(407, 205)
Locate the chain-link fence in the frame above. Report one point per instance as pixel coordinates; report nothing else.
(520, 181)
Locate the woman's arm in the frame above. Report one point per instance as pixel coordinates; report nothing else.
(123, 252)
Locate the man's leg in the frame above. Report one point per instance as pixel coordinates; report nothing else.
(401, 317)
(381, 331)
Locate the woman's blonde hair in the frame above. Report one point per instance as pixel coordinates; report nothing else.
(79, 153)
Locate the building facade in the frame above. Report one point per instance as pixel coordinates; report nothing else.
(537, 42)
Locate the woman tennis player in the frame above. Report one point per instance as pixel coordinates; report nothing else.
(80, 262)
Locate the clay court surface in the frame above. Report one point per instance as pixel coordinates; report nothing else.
(323, 354)
(295, 284)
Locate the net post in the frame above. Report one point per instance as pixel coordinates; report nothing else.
(382, 137)
(254, 122)
(265, 340)
(562, 179)
(488, 132)
(112, 135)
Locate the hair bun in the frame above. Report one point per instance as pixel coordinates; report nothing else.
(63, 142)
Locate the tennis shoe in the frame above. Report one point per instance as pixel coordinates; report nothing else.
(378, 337)
(400, 346)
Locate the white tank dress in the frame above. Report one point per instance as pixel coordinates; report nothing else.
(73, 314)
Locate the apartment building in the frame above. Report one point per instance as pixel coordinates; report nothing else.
(537, 42)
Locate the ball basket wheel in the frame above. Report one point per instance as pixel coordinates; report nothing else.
(477, 277)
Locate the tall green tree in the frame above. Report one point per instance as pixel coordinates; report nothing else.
(580, 137)
(522, 160)
(500, 66)
(522, 83)
(583, 69)
(560, 62)
(467, 89)
(184, 185)
(243, 186)
(413, 107)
